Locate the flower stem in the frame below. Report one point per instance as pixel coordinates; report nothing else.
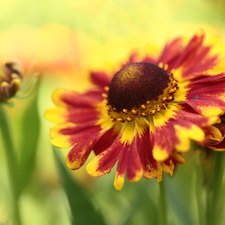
(12, 162)
(217, 183)
(199, 194)
(163, 202)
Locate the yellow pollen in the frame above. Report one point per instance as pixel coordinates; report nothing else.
(144, 114)
(157, 108)
(160, 65)
(169, 98)
(152, 112)
(135, 112)
(174, 82)
(144, 107)
(120, 119)
(172, 90)
(129, 119)
(148, 102)
(104, 95)
(106, 88)
(166, 66)
(125, 111)
(163, 99)
(113, 119)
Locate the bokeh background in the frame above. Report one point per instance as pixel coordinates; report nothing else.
(63, 40)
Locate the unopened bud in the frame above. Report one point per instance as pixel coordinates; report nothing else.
(10, 80)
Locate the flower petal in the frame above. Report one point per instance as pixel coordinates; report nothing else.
(69, 134)
(208, 107)
(185, 132)
(207, 95)
(168, 166)
(67, 98)
(78, 155)
(196, 119)
(104, 162)
(56, 115)
(134, 168)
(100, 79)
(164, 140)
(61, 115)
(196, 51)
(105, 141)
(178, 158)
(121, 167)
(218, 145)
(171, 52)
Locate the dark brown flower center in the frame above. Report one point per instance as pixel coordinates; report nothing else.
(136, 84)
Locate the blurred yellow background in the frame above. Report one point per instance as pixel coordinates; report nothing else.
(63, 40)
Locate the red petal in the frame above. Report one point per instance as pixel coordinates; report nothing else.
(105, 141)
(78, 155)
(134, 167)
(100, 79)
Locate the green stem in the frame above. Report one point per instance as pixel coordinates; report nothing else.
(163, 202)
(217, 183)
(199, 195)
(12, 162)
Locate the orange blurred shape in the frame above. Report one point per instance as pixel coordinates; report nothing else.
(51, 49)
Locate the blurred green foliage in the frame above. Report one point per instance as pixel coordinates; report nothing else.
(50, 193)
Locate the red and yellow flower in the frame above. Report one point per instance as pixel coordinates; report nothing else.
(144, 115)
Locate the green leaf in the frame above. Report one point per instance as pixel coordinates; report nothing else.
(82, 209)
(30, 126)
(182, 194)
(142, 208)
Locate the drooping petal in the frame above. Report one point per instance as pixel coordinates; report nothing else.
(104, 162)
(121, 167)
(69, 134)
(208, 107)
(134, 168)
(164, 141)
(177, 158)
(185, 133)
(61, 115)
(168, 166)
(78, 155)
(177, 133)
(206, 96)
(105, 141)
(218, 145)
(56, 115)
(144, 148)
(212, 135)
(195, 118)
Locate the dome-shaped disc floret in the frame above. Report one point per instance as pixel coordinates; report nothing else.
(135, 84)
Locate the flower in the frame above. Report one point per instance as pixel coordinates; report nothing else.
(218, 145)
(10, 80)
(144, 115)
(12, 83)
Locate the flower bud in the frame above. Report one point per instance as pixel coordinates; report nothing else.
(10, 80)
